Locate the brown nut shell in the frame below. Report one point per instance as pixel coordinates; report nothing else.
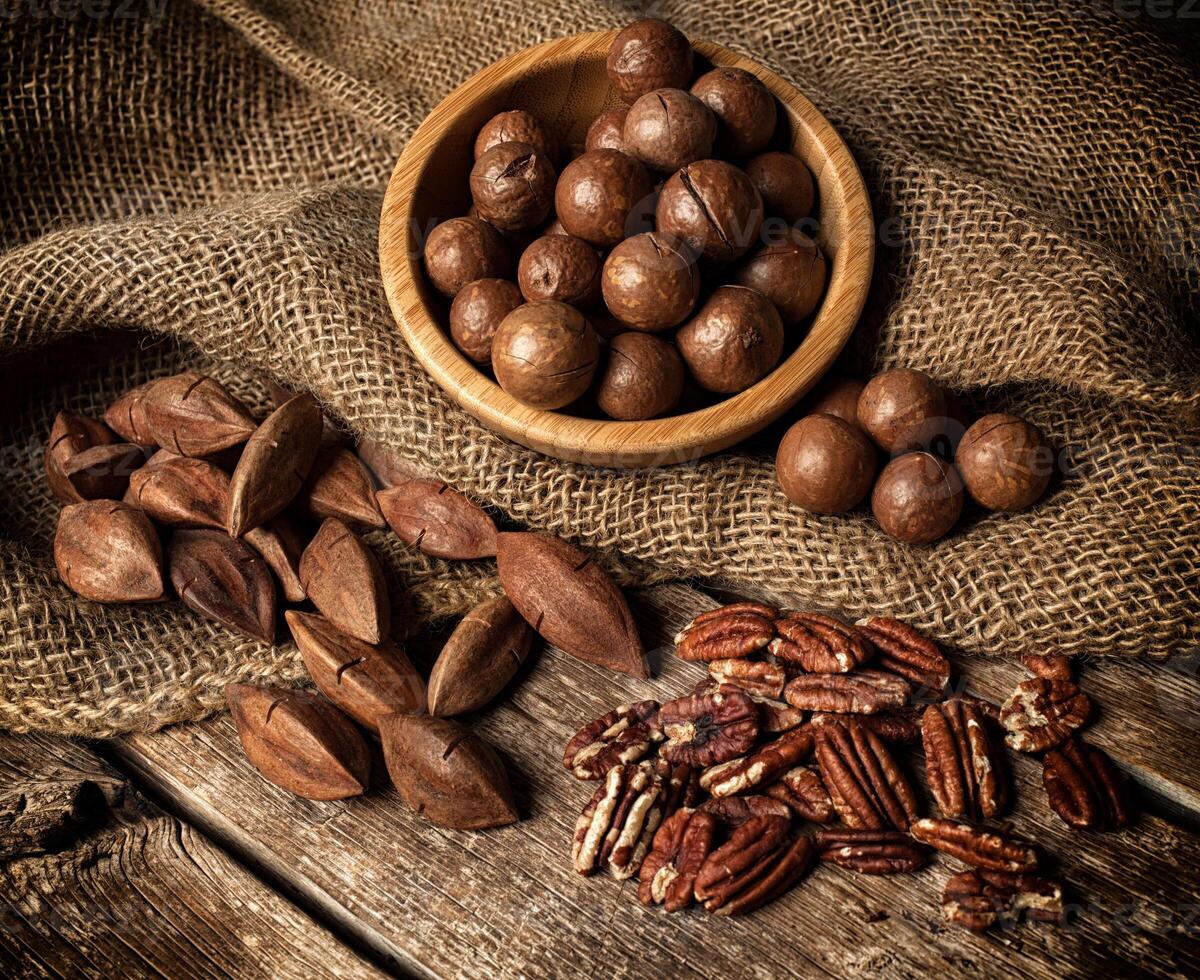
(339, 485)
(785, 184)
(837, 395)
(668, 128)
(825, 465)
(433, 516)
(545, 354)
(193, 415)
(108, 552)
(180, 491)
(604, 196)
(562, 268)
(1005, 462)
(280, 545)
(918, 498)
(897, 408)
(734, 340)
(476, 313)
(789, 271)
(607, 131)
(642, 378)
(70, 435)
(461, 250)
(516, 126)
(344, 580)
(650, 282)
(103, 472)
(127, 416)
(220, 578)
(713, 207)
(646, 55)
(512, 186)
(487, 647)
(745, 109)
(448, 774)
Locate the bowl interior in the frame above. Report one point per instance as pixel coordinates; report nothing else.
(564, 83)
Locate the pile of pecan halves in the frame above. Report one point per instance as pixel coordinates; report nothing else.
(703, 797)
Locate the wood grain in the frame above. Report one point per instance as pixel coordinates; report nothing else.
(506, 903)
(94, 882)
(564, 83)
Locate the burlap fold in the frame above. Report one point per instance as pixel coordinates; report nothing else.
(207, 182)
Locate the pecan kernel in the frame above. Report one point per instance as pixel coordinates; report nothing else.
(871, 852)
(801, 789)
(623, 735)
(752, 676)
(756, 865)
(866, 785)
(733, 811)
(728, 633)
(619, 821)
(759, 767)
(865, 692)
(979, 899)
(1084, 787)
(704, 729)
(680, 848)
(990, 850)
(820, 644)
(963, 763)
(907, 652)
(1042, 713)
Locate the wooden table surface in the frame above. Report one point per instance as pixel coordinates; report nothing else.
(166, 854)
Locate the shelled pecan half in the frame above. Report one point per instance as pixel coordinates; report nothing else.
(977, 900)
(1084, 787)
(871, 852)
(756, 865)
(903, 725)
(865, 692)
(752, 676)
(704, 729)
(681, 845)
(733, 811)
(1052, 666)
(774, 716)
(976, 846)
(818, 643)
(619, 822)
(681, 785)
(801, 789)
(866, 785)
(727, 633)
(963, 763)
(1041, 713)
(908, 652)
(760, 767)
(624, 734)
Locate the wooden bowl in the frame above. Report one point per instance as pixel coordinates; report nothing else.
(564, 83)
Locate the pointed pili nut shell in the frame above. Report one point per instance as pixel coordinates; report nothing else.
(193, 415)
(389, 469)
(448, 774)
(570, 600)
(340, 486)
(280, 545)
(103, 472)
(438, 519)
(180, 491)
(274, 464)
(223, 580)
(127, 416)
(109, 552)
(300, 742)
(365, 681)
(70, 435)
(486, 649)
(343, 579)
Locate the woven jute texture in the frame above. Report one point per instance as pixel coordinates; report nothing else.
(200, 186)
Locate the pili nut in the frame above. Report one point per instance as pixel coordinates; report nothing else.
(388, 468)
(365, 681)
(618, 823)
(338, 485)
(1052, 666)
(902, 726)
(753, 676)
(274, 464)
(1042, 713)
(221, 579)
(760, 767)
(802, 789)
(904, 650)
(193, 415)
(108, 552)
(991, 850)
(756, 865)
(980, 899)
(728, 633)
(871, 852)
(300, 742)
(127, 416)
(70, 435)
(486, 649)
(865, 692)
(868, 788)
(180, 491)
(570, 600)
(344, 580)
(330, 436)
(1084, 787)
(280, 545)
(964, 764)
(438, 520)
(820, 644)
(733, 811)
(681, 845)
(623, 735)
(705, 729)
(103, 472)
(447, 773)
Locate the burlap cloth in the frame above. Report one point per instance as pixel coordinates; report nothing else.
(213, 174)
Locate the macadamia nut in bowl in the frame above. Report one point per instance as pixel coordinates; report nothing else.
(545, 354)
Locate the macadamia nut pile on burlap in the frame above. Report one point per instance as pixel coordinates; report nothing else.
(232, 206)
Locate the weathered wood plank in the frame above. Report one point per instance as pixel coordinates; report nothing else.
(506, 902)
(95, 882)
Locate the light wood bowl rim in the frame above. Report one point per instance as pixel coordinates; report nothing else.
(655, 442)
